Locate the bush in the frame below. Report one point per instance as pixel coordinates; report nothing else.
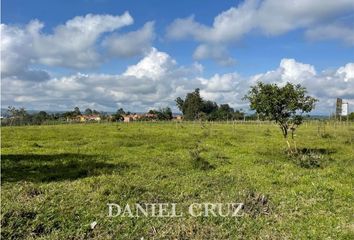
(307, 158)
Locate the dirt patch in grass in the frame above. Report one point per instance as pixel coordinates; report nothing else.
(256, 204)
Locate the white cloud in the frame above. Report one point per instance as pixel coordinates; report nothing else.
(289, 71)
(346, 72)
(277, 17)
(132, 43)
(220, 83)
(15, 54)
(218, 53)
(154, 65)
(269, 17)
(73, 44)
(228, 26)
(70, 45)
(153, 81)
(332, 32)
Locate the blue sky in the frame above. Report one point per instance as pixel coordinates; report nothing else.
(220, 46)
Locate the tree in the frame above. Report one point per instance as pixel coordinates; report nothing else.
(17, 116)
(164, 114)
(40, 117)
(161, 114)
(238, 115)
(191, 106)
(88, 111)
(225, 112)
(209, 107)
(121, 111)
(351, 116)
(284, 105)
(118, 116)
(195, 107)
(76, 111)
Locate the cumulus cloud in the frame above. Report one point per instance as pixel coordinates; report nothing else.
(270, 17)
(17, 55)
(332, 32)
(346, 72)
(218, 53)
(289, 71)
(156, 80)
(154, 65)
(132, 43)
(70, 45)
(73, 44)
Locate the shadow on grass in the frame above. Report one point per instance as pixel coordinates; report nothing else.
(55, 167)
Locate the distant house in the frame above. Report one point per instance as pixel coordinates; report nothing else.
(92, 118)
(136, 116)
(84, 118)
(150, 115)
(81, 118)
(128, 118)
(177, 118)
(75, 119)
(139, 117)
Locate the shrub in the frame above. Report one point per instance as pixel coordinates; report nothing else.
(197, 161)
(311, 158)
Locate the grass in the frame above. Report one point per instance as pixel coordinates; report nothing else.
(56, 180)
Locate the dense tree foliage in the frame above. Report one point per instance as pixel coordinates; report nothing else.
(162, 114)
(77, 111)
(88, 111)
(195, 107)
(351, 116)
(191, 106)
(19, 116)
(118, 116)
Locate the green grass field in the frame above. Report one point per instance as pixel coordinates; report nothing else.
(56, 180)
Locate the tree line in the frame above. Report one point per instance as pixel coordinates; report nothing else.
(194, 107)
(20, 116)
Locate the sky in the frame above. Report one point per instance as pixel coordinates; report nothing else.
(140, 55)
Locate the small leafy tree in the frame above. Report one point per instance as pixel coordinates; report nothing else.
(284, 105)
(17, 116)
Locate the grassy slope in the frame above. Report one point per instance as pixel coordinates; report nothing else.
(56, 180)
